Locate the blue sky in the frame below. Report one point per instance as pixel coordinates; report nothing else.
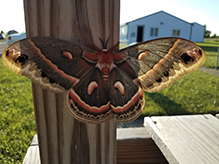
(200, 11)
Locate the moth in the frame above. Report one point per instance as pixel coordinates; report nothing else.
(103, 83)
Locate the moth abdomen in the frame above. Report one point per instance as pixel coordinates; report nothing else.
(105, 74)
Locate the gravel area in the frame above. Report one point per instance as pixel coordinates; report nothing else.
(210, 71)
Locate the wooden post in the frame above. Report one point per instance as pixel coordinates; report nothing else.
(62, 139)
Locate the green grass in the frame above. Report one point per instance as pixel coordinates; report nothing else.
(17, 121)
(211, 40)
(211, 50)
(194, 93)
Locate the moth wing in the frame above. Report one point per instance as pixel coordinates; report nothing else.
(88, 100)
(160, 62)
(52, 63)
(59, 66)
(126, 97)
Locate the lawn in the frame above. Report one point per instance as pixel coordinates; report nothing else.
(211, 50)
(17, 120)
(192, 94)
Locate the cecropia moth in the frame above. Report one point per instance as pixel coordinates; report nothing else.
(103, 83)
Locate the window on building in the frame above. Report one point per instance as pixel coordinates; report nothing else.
(123, 32)
(154, 32)
(133, 34)
(176, 33)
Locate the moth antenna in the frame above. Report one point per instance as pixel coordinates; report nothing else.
(101, 42)
(104, 44)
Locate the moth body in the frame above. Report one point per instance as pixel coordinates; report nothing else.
(107, 83)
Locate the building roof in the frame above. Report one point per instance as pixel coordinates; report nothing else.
(159, 13)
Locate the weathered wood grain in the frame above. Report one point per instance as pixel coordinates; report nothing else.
(33, 155)
(134, 145)
(62, 139)
(186, 139)
(132, 133)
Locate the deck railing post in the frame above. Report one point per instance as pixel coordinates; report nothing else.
(63, 139)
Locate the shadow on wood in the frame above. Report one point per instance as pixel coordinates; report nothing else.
(134, 146)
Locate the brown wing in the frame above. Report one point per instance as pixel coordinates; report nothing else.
(59, 66)
(161, 62)
(40, 59)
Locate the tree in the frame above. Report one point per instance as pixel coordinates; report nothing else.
(12, 32)
(207, 32)
(215, 36)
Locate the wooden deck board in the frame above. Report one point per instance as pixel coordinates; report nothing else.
(134, 145)
(181, 139)
(132, 133)
(33, 155)
(186, 139)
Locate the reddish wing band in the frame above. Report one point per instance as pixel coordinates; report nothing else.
(160, 62)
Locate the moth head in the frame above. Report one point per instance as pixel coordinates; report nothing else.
(14, 59)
